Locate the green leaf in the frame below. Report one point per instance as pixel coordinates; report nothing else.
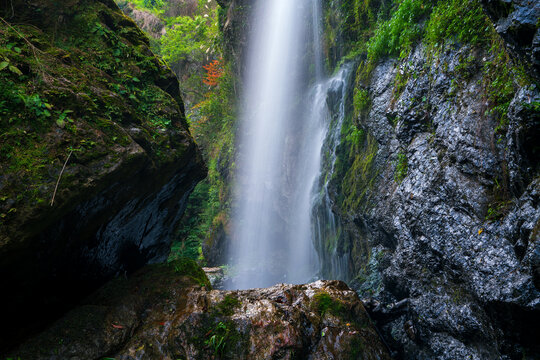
(17, 50)
(46, 113)
(3, 65)
(14, 70)
(60, 123)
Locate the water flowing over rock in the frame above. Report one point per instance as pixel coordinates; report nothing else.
(271, 239)
(162, 312)
(327, 233)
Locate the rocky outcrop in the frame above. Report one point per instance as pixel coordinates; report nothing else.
(91, 116)
(437, 184)
(517, 22)
(166, 312)
(445, 237)
(147, 21)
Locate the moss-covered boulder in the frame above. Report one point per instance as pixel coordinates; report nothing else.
(96, 160)
(167, 312)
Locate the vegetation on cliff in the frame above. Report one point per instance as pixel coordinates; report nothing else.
(92, 123)
(191, 44)
(438, 155)
(85, 86)
(375, 30)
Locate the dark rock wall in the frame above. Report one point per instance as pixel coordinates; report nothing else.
(517, 22)
(444, 239)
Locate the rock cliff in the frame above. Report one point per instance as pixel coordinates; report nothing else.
(437, 186)
(96, 158)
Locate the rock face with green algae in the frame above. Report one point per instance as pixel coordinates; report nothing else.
(165, 312)
(79, 81)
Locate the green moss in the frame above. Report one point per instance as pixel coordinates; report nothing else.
(359, 178)
(499, 82)
(190, 268)
(324, 303)
(361, 101)
(402, 166)
(78, 83)
(357, 347)
(227, 306)
(400, 82)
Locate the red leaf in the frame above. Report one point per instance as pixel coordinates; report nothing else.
(117, 326)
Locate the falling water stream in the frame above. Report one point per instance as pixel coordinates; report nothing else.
(278, 224)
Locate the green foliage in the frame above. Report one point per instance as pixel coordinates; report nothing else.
(348, 24)
(190, 43)
(218, 339)
(187, 39)
(154, 6)
(462, 20)
(38, 106)
(401, 167)
(498, 210)
(222, 339)
(361, 100)
(499, 79)
(396, 36)
(194, 225)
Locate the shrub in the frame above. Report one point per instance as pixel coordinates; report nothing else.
(397, 35)
(457, 19)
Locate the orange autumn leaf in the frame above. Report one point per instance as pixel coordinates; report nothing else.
(214, 71)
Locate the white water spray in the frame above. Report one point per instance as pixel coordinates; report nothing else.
(284, 126)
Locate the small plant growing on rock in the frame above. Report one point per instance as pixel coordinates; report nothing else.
(401, 167)
(218, 340)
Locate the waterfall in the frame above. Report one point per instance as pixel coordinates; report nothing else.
(328, 234)
(285, 123)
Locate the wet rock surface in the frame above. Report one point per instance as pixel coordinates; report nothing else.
(517, 22)
(166, 312)
(448, 266)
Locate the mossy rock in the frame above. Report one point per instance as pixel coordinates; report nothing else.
(91, 123)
